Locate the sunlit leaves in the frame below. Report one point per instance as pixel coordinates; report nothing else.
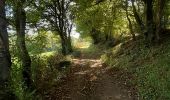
(105, 17)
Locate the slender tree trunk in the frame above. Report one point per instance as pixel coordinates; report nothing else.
(69, 43)
(130, 23)
(159, 14)
(95, 36)
(20, 18)
(66, 45)
(137, 18)
(5, 59)
(106, 36)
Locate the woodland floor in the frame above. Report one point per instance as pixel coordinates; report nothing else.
(90, 79)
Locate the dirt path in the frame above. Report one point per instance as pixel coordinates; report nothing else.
(93, 82)
(89, 79)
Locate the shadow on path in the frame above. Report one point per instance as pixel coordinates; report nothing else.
(90, 79)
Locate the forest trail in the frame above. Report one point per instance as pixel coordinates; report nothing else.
(90, 79)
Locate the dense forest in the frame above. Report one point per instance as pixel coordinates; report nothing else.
(84, 50)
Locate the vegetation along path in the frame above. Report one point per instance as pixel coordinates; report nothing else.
(90, 79)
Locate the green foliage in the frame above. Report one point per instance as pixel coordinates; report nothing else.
(91, 51)
(33, 15)
(54, 60)
(154, 76)
(149, 65)
(45, 75)
(102, 17)
(103, 20)
(42, 42)
(36, 44)
(17, 85)
(45, 72)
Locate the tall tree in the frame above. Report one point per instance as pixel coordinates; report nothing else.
(20, 25)
(153, 26)
(129, 20)
(5, 60)
(57, 13)
(160, 8)
(137, 17)
(149, 20)
(99, 19)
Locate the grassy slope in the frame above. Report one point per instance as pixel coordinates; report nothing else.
(150, 66)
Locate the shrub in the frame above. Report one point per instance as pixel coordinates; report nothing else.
(46, 74)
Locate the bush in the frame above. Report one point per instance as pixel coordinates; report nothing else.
(17, 85)
(46, 73)
(55, 60)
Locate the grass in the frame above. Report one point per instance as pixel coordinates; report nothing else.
(151, 66)
(48, 53)
(17, 85)
(40, 71)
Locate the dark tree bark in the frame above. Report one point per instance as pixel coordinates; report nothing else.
(130, 23)
(95, 36)
(20, 24)
(137, 17)
(149, 21)
(57, 14)
(5, 59)
(108, 36)
(69, 40)
(66, 45)
(159, 14)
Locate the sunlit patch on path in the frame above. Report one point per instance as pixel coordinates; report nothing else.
(89, 79)
(92, 62)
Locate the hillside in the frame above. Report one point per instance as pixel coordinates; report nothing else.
(150, 67)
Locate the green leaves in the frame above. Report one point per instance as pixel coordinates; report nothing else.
(33, 16)
(106, 17)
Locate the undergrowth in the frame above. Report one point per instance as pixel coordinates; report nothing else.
(17, 84)
(150, 66)
(44, 75)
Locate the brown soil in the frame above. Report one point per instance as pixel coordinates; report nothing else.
(90, 79)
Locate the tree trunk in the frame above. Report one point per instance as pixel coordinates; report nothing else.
(137, 18)
(149, 21)
(20, 18)
(95, 36)
(69, 43)
(159, 14)
(66, 45)
(130, 23)
(5, 59)
(106, 36)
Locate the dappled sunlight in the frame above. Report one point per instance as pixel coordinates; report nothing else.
(89, 67)
(82, 45)
(84, 49)
(47, 53)
(82, 72)
(91, 78)
(97, 64)
(92, 62)
(117, 48)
